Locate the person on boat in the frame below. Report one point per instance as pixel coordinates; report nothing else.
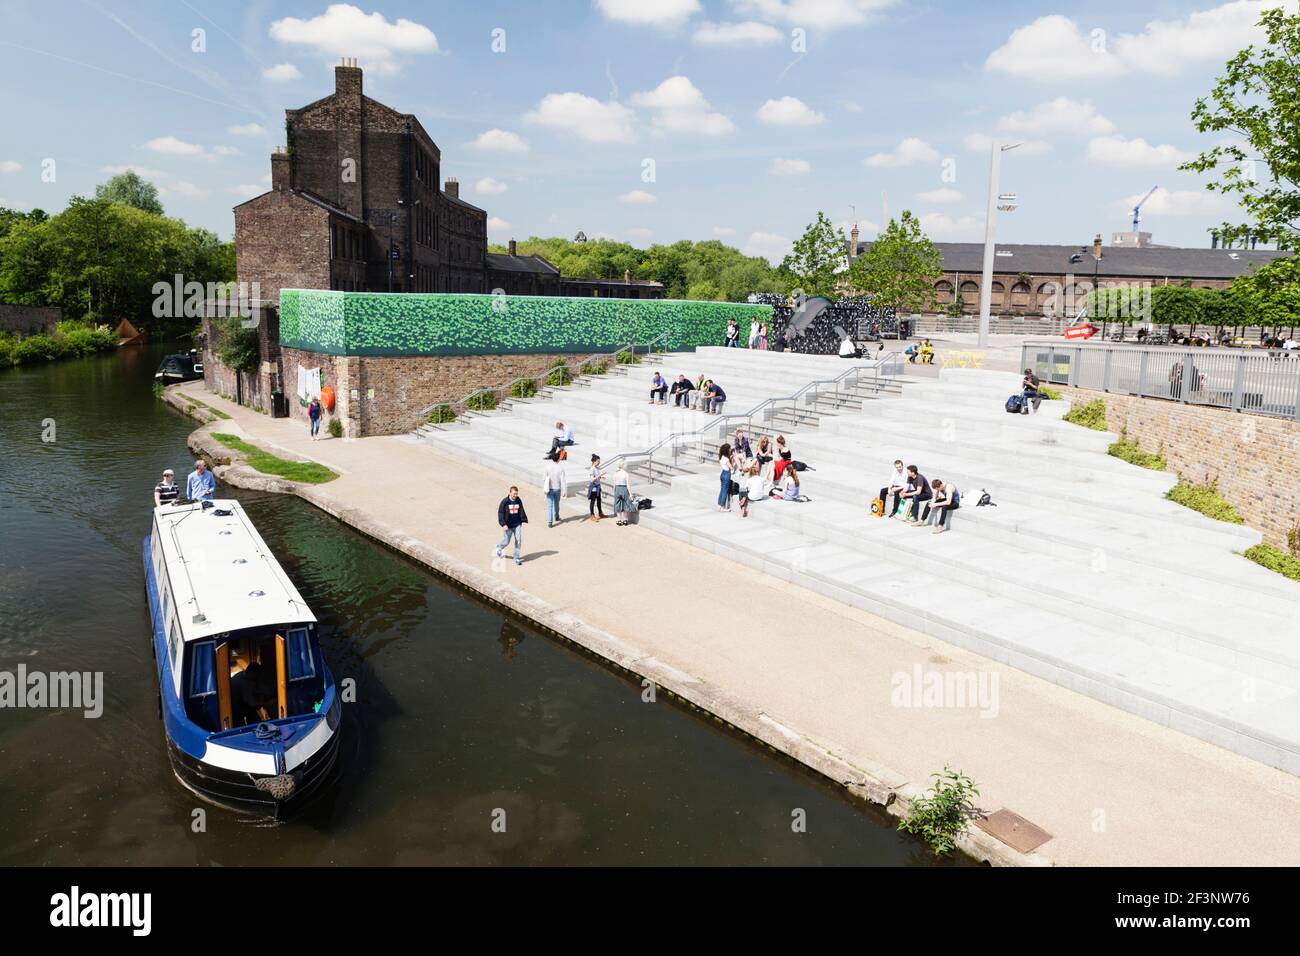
(166, 491)
(512, 518)
(202, 483)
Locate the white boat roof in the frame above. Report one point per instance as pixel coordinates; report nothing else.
(223, 577)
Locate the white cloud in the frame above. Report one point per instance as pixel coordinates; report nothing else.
(751, 32)
(281, 73)
(496, 224)
(679, 107)
(171, 146)
(940, 225)
(850, 106)
(788, 111)
(1055, 48)
(344, 30)
(1118, 151)
(814, 13)
(639, 232)
(246, 190)
(941, 196)
(226, 150)
(183, 188)
(906, 153)
(585, 116)
(500, 141)
(769, 245)
(791, 167)
(145, 171)
(1174, 202)
(982, 143)
(723, 231)
(247, 129)
(489, 186)
(10, 166)
(1061, 115)
(659, 13)
(638, 197)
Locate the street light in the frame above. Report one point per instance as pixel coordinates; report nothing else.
(1004, 202)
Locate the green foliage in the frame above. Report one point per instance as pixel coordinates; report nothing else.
(482, 401)
(128, 188)
(361, 323)
(1092, 415)
(1131, 452)
(441, 415)
(1275, 559)
(237, 347)
(900, 268)
(1121, 303)
(1177, 305)
(1293, 539)
(309, 472)
(593, 368)
(524, 388)
(628, 357)
(818, 258)
(943, 813)
(336, 428)
(1205, 499)
(1049, 394)
(68, 340)
(559, 374)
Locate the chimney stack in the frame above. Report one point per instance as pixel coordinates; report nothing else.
(1214, 240)
(1096, 246)
(512, 248)
(280, 169)
(452, 187)
(347, 77)
(853, 242)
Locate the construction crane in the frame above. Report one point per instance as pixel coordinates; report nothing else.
(1137, 216)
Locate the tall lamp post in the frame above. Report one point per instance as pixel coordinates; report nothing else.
(1007, 205)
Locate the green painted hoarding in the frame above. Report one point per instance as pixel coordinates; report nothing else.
(409, 323)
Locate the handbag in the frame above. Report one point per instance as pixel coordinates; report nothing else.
(877, 507)
(734, 489)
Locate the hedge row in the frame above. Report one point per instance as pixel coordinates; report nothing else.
(63, 343)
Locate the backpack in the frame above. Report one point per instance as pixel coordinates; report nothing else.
(956, 498)
(1014, 404)
(643, 504)
(985, 499)
(800, 466)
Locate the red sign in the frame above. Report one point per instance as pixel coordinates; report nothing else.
(1085, 331)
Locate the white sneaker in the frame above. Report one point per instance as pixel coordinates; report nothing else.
(496, 552)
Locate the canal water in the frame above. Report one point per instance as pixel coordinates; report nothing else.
(461, 712)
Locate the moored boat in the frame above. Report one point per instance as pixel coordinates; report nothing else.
(249, 707)
(179, 367)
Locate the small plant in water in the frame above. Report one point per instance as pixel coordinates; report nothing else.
(942, 814)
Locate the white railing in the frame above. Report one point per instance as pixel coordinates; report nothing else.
(1256, 381)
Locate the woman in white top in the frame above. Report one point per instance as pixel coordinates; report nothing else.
(622, 497)
(753, 333)
(726, 465)
(754, 488)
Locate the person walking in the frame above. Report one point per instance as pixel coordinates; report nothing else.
(314, 413)
(733, 334)
(555, 486)
(512, 518)
(202, 483)
(753, 333)
(726, 465)
(595, 507)
(762, 337)
(622, 496)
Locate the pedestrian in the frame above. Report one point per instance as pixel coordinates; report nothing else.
(314, 412)
(556, 486)
(622, 496)
(762, 337)
(512, 518)
(595, 507)
(201, 484)
(753, 333)
(166, 491)
(726, 465)
(733, 334)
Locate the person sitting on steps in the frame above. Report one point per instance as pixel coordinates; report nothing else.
(945, 501)
(681, 392)
(659, 390)
(916, 494)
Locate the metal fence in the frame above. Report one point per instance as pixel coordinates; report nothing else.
(1256, 381)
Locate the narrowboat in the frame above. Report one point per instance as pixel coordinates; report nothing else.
(179, 367)
(249, 708)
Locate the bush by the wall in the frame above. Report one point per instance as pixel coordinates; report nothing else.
(559, 374)
(1205, 499)
(593, 368)
(66, 341)
(336, 428)
(524, 388)
(1275, 559)
(1132, 453)
(1049, 393)
(441, 415)
(1092, 415)
(482, 401)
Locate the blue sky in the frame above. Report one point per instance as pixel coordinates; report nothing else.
(754, 113)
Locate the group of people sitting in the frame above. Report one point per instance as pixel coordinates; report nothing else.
(910, 497)
(923, 352)
(709, 395)
(755, 472)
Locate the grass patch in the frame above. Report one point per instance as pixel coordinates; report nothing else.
(1275, 559)
(305, 471)
(441, 415)
(1205, 499)
(215, 411)
(1129, 451)
(1091, 415)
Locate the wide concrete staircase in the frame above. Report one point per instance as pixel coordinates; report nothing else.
(1083, 574)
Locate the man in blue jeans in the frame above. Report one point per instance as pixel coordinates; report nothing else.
(555, 486)
(512, 517)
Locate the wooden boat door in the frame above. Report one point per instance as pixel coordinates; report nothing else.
(281, 675)
(223, 684)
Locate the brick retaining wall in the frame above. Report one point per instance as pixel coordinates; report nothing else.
(1255, 459)
(28, 319)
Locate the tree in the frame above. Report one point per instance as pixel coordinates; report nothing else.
(900, 267)
(818, 258)
(1175, 305)
(130, 190)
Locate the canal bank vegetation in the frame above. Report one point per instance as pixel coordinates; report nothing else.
(943, 813)
(308, 472)
(67, 340)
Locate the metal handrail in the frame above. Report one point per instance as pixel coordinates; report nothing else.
(462, 404)
(722, 423)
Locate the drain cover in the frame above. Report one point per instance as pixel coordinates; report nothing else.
(1014, 830)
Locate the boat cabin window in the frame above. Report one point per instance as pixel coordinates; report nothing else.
(265, 677)
(301, 664)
